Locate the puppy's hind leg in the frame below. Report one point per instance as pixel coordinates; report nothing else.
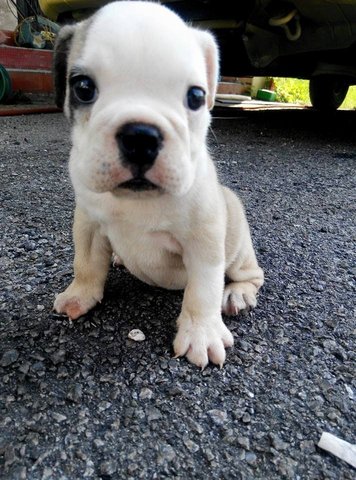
(243, 272)
(246, 279)
(91, 266)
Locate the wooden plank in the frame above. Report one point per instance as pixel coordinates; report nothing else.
(232, 88)
(25, 58)
(12, 110)
(36, 82)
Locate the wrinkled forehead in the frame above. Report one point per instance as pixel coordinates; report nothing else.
(140, 43)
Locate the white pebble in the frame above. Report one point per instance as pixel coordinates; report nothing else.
(137, 335)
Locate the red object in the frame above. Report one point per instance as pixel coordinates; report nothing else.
(6, 37)
(12, 110)
(30, 69)
(31, 81)
(26, 58)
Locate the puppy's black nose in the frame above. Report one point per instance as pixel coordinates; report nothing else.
(139, 144)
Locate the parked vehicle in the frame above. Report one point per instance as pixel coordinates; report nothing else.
(310, 39)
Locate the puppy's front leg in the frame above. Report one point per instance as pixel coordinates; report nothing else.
(91, 266)
(202, 335)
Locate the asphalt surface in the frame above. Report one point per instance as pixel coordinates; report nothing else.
(80, 400)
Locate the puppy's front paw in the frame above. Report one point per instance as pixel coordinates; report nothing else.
(76, 301)
(202, 340)
(239, 296)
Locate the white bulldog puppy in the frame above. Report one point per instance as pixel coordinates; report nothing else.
(137, 84)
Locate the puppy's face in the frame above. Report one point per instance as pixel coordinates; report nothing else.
(137, 84)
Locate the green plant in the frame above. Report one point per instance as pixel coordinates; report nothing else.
(293, 90)
(350, 100)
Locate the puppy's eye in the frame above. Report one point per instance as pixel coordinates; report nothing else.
(84, 89)
(195, 98)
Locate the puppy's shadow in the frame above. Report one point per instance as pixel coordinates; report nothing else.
(129, 303)
(102, 334)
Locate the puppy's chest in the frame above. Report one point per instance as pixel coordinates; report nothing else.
(142, 245)
(131, 239)
(141, 237)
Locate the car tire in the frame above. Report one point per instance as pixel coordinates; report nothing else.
(327, 92)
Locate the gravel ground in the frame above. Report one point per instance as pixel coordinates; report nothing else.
(80, 400)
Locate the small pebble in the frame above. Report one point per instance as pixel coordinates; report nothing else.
(146, 394)
(191, 446)
(153, 414)
(104, 405)
(166, 454)
(58, 357)
(9, 358)
(98, 443)
(136, 335)
(350, 392)
(59, 417)
(251, 458)
(108, 468)
(218, 416)
(277, 442)
(75, 393)
(244, 442)
(246, 417)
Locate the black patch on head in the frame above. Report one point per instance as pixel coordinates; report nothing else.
(61, 50)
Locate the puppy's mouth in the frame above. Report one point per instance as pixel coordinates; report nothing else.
(138, 184)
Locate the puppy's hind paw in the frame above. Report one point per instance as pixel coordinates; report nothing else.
(238, 296)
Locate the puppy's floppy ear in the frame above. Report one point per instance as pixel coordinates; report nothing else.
(61, 51)
(211, 55)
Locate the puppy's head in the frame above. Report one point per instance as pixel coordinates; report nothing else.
(137, 84)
